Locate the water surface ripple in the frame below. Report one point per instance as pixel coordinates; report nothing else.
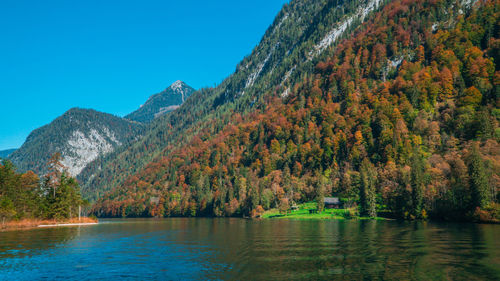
(238, 249)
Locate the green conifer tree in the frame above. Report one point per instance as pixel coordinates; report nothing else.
(368, 175)
(478, 181)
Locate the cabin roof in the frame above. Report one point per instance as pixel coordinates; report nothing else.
(331, 200)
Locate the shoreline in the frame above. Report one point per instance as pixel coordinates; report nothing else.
(26, 224)
(288, 217)
(68, 224)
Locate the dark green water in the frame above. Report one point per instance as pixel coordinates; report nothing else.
(237, 249)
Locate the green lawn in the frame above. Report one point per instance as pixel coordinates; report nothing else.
(303, 213)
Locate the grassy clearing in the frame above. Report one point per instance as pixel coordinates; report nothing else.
(303, 213)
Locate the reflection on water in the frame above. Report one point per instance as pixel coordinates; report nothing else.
(237, 249)
(16, 244)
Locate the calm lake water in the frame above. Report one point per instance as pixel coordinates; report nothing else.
(238, 249)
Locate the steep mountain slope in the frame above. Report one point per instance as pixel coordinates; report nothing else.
(5, 153)
(159, 104)
(302, 33)
(402, 117)
(80, 135)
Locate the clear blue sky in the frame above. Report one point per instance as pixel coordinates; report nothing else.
(112, 55)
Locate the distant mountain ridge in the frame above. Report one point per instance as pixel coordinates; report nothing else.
(80, 135)
(5, 153)
(83, 135)
(159, 104)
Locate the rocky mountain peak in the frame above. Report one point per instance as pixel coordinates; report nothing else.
(158, 104)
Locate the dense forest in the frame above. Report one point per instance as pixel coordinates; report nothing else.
(401, 118)
(26, 196)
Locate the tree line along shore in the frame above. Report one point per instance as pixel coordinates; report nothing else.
(27, 201)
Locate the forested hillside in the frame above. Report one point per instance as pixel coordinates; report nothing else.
(80, 135)
(302, 33)
(401, 118)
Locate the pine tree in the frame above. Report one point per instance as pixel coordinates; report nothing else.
(7, 209)
(417, 183)
(320, 199)
(55, 170)
(478, 181)
(368, 176)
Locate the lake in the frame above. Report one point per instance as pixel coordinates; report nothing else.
(239, 249)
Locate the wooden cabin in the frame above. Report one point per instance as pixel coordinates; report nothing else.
(332, 203)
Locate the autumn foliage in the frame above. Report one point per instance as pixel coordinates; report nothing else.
(401, 118)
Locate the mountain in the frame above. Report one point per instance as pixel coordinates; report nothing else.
(159, 104)
(392, 106)
(5, 153)
(80, 135)
(302, 33)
